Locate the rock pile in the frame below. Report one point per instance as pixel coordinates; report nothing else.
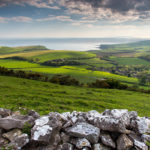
(111, 130)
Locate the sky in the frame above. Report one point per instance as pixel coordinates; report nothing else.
(74, 18)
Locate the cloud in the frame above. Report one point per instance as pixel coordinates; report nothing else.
(115, 11)
(15, 19)
(35, 3)
(59, 18)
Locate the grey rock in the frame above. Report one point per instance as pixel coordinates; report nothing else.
(84, 130)
(41, 132)
(81, 143)
(34, 114)
(18, 143)
(108, 123)
(142, 125)
(140, 145)
(65, 138)
(67, 146)
(12, 122)
(3, 142)
(124, 143)
(121, 114)
(5, 112)
(11, 135)
(46, 128)
(107, 140)
(100, 146)
(145, 138)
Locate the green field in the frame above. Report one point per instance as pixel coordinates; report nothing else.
(45, 97)
(129, 61)
(62, 54)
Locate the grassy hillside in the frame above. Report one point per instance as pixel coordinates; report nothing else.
(9, 50)
(45, 97)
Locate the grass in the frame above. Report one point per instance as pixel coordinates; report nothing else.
(82, 74)
(129, 61)
(45, 97)
(17, 64)
(62, 54)
(9, 50)
(25, 54)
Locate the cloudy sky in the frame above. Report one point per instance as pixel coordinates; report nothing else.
(75, 18)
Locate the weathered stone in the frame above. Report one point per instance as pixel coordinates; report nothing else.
(67, 146)
(42, 132)
(121, 114)
(100, 146)
(34, 114)
(81, 143)
(5, 112)
(142, 125)
(124, 143)
(11, 135)
(107, 140)
(12, 122)
(92, 115)
(108, 123)
(46, 128)
(21, 141)
(84, 130)
(3, 141)
(145, 137)
(140, 145)
(65, 138)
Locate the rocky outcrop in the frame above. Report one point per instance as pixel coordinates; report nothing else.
(111, 130)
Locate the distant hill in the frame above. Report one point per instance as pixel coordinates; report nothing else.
(9, 50)
(134, 44)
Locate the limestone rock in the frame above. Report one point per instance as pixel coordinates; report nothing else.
(109, 123)
(3, 141)
(67, 146)
(84, 130)
(100, 146)
(41, 132)
(81, 143)
(107, 140)
(140, 145)
(5, 112)
(65, 138)
(11, 135)
(34, 114)
(124, 143)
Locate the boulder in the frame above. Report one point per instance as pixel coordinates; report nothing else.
(100, 146)
(12, 122)
(64, 137)
(11, 135)
(140, 145)
(5, 112)
(81, 143)
(112, 124)
(34, 114)
(3, 142)
(84, 130)
(46, 128)
(66, 146)
(142, 125)
(107, 140)
(42, 132)
(124, 143)
(119, 114)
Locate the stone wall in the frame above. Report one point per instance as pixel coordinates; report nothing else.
(111, 130)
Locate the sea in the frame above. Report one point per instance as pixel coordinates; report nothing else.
(77, 44)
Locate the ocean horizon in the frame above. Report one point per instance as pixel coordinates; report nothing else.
(78, 44)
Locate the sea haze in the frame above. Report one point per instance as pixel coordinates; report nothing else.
(79, 44)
